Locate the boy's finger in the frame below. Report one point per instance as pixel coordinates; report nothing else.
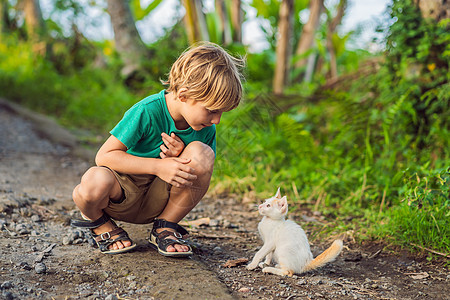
(163, 148)
(183, 160)
(176, 137)
(169, 141)
(187, 177)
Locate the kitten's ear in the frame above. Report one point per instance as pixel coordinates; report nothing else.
(283, 205)
(278, 194)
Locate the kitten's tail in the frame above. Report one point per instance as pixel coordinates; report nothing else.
(326, 256)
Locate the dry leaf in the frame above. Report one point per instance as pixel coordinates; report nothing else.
(420, 275)
(196, 223)
(235, 262)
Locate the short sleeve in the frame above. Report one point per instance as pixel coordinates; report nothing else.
(132, 127)
(212, 142)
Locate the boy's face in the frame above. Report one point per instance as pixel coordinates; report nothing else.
(198, 116)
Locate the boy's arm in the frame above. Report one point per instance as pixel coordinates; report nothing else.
(173, 170)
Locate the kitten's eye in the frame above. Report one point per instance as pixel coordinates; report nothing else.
(268, 205)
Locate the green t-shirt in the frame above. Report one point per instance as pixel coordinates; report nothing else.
(141, 127)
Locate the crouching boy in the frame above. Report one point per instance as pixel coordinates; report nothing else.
(157, 163)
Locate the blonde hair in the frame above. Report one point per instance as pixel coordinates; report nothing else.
(209, 74)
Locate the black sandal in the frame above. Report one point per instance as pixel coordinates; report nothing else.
(104, 240)
(161, 240)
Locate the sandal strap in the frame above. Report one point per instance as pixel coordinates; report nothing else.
(107, 235)
(161, 223)
(90, 224)
(104, 240)
(167, 238)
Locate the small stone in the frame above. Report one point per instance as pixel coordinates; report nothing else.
(111, 297)
(40, 268)
(244, 290)
(77, 241)
(214, 223)
(35, 218)
(66, 241)
(24, 265)
(301, 282)
(132, 285)
(6, 285)
(7, 295)
(131, 277)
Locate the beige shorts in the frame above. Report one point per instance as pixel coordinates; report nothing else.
(144, 198)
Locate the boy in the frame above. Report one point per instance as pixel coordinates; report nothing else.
(157, 164)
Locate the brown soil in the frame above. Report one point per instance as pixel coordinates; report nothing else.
(42, 257)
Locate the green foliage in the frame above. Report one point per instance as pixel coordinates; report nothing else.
(423, 216)
(140, 12)
(27, 78)
(269, 10)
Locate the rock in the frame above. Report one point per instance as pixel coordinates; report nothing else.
(302, 282)
(22, 229)
(217, 249)
(7, 295)
(40, 268)
(35, 218)
(24, 265)
(111, 297)
(244, 290)
(66, 240)
(214, 223)
(6, 285)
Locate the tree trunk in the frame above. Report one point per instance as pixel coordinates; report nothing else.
(283, 51)
(236, 20)
(224, 22)
(331, 31)
(195, 21)
(306, 41)
(33, 20)
(436, 9)
(128, 41)
(4, 18)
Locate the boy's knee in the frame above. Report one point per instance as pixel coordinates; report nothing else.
(202, 157)
(95, 184)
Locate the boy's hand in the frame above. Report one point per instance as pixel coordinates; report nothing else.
(176, 172)
(172, 147)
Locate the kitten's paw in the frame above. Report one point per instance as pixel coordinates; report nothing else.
(262, 265)
(252, 266)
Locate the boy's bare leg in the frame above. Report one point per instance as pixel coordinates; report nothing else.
(98, 185)
(183, 200)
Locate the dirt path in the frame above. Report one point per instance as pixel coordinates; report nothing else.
(44, 258)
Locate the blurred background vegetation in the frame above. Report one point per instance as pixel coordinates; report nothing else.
(361, 137)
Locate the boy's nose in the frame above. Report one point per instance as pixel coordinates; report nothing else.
(216, 118)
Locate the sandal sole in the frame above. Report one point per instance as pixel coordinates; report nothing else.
(118, 251)
(169, 254)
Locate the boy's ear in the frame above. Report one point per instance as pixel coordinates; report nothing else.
(181, 94)
(278, 194)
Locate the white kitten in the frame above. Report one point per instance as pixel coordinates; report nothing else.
(286, 243)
